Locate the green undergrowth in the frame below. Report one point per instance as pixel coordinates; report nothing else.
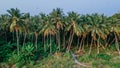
(107, 58)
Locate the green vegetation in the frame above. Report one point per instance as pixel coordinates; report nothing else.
(45, 40)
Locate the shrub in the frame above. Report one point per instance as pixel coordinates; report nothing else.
(5, 50)
(104, 56)
(25, 56)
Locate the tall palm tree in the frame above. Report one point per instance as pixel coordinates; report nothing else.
(26, 20)
(115, 28)
(49, 29)
(35, 27)
(73, 27)
(16, 23)
(97, 27)
(85, 34)
(57, 16)
(64, 31)
(43, 20)
(5, 24)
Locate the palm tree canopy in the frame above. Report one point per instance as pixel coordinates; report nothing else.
(72, 23)
(16, 22)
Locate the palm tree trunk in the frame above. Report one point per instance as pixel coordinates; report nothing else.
(59, 40)
(78, 41)
(70, 41)
(32, 37)
(95, 43)
(91, 47)
(24, 38)
(36, 38)
(87, 40)
(44, 45)
(63, 42)
(83, 45)
(48, 40)
(80, 47)
(116, 43)
(56, 38)
(98, 44)
(13, 36)
(50, 45)
(107, 42)
(112, 41)
(17, 41)
(5, 36)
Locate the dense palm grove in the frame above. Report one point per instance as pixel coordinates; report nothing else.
(24, 37)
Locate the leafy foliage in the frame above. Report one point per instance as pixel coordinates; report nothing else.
(5, 50)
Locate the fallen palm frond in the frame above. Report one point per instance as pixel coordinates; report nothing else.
(77, 62)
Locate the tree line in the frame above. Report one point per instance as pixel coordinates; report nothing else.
(67, 31)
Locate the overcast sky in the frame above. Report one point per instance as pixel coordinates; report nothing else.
(108, 7)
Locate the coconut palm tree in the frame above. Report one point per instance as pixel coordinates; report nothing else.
(57, 16)
(84, 25)
(97, 29)
(16, 23)
(49, 29)
(115, 29)
(35, 27)
(43, 20)
(5, 24)
(64, 31)
(115, 19)
(26, 20)
(73, 27)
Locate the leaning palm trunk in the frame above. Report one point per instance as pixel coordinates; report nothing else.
(68, 43)
(111, 42)
(90, 47)
(81, 42)
(116, 43)
(83, 47)
(24, 38)
(98, 44)
(70, 40)
(107, 41)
